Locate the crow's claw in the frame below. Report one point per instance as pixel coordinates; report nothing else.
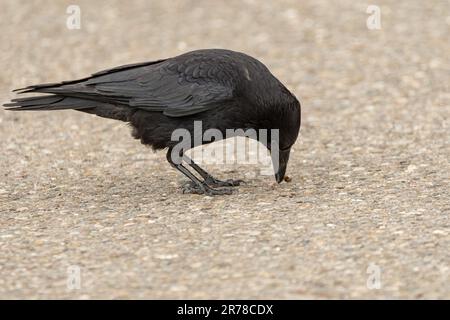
(193, 188)
(213, 182)
(216, 192)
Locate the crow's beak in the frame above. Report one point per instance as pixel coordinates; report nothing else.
(280, 160)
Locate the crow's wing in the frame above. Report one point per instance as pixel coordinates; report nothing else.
(175, 87)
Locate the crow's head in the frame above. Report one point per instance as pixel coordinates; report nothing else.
(280, 147)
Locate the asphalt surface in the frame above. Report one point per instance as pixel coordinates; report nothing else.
(88, 212)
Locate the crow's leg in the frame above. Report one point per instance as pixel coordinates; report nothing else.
(196, 186)
(209, 179)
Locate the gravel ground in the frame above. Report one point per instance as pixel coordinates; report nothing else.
(370, 175)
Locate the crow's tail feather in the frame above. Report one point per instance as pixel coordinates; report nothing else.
(59, 102)
(53, 102)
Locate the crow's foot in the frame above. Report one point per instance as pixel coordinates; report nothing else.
(213, 182)
(194, 188)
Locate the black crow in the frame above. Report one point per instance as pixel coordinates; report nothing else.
(221, 88)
